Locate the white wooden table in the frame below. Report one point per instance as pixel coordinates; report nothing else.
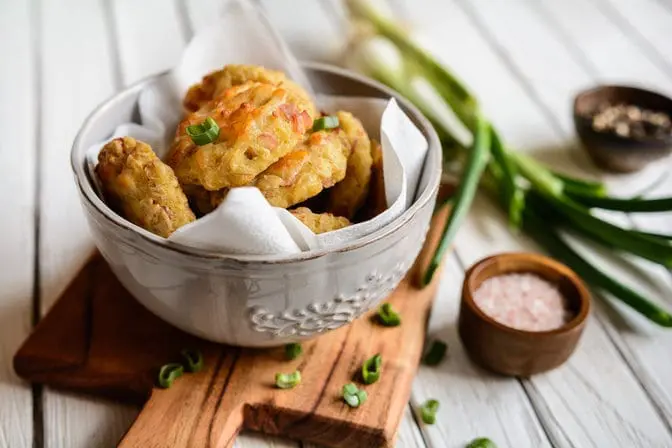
(524, 58)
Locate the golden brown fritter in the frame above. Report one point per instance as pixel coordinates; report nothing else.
(317, 163)
(203, 201)
(258, 125)
(215, 83)
(349, 195)
(376, 202)
(142, 188)
(320, 222)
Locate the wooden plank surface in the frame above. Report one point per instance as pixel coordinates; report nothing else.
(77, 74)
(526, 92)
(597, 365)
(18, 116)
(78, 346)
(643, 349)
(474, 403)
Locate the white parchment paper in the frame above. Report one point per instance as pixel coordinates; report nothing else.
(245, 223)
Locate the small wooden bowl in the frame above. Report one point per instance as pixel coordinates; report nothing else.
(609, 150)
(515, 352)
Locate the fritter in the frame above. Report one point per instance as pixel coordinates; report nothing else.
(320, 222)
(319, 162)
(215, 83)
(376, 202)
(258, 125)
(349, 195)
(140, 187)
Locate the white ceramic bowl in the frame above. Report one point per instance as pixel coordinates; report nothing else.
(249, 300)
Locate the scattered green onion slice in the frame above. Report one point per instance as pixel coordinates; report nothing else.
(204, 133)
(193, 360)
(293, 351)
(428, 411)
(169, 373)
(328, 122)
(436, 353)
(353, 396)
(287, 380)
(371, 369)
(387, 316)
(361, 396)
(482, 442)
(350, 389)
(351, 400)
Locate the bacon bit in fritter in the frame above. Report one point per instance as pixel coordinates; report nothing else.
(268, 140)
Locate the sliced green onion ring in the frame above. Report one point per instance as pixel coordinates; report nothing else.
(482, 442)
(287, 380)
(193, 360)
(350, 389)
(293, 351)
(435, 353)
(361, 396)
(428, 411)
(371, 369)
(328, 122)
(387, 316)
(204, 133)
(353, 396)
(169, 373)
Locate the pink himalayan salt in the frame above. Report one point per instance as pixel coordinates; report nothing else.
(522, 301)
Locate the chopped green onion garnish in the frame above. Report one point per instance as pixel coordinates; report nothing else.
(352, 396)
(350, 389)
(387, 316)
(328, 122)
(435, 353)
(204, 133)
(351, 400)
(482, 442)
(371, 369)
(193, 360)
(361, 396)
(287, 380)
(428, 411)
(169, 373)
(293, 351)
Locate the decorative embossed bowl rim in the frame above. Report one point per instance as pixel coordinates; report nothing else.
(431, 171)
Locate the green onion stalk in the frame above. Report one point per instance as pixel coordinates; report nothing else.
(536, 199)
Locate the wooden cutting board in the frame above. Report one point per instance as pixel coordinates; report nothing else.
(97, 339)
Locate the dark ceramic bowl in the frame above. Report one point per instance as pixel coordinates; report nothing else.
(515, 352)
(611, 151)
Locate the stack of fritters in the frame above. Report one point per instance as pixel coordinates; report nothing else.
(266, 139)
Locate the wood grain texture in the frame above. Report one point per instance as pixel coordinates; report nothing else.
(151, 27)
(308, 29)
(77, 74)
(474, 402)
(17, 193)
(98, 339)
(642, 345)
(485, 232)
(513, 352)
(587, 45)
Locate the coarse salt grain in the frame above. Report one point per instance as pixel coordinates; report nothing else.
(523, 301)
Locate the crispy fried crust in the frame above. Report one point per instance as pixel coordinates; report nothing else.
(142, 188)
(349, 195)
(376, 202)
(320, 222)
(258, 125)
(215, 83)
(317, 163)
